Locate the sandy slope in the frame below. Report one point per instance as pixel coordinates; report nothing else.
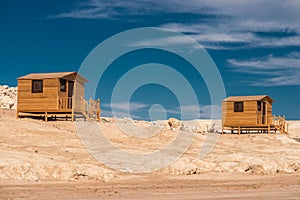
(36, 150)
(257, 153)
(33, 150)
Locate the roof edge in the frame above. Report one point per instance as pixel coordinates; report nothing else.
(51, 75)
(247, 98)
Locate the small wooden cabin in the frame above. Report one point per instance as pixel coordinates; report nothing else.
(51, 95)
(251, 113)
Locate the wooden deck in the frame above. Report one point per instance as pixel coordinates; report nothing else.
(278, 124)
(90, 109)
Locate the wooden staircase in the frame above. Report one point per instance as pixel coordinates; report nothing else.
(91, 109)
(280, 124)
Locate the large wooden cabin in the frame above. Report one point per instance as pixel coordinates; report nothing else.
(250, 114)
(53, 95)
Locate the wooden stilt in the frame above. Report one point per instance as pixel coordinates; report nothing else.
(46, 116)
(72, 116)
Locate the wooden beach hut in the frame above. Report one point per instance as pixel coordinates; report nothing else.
(251, 114)
(54, 95)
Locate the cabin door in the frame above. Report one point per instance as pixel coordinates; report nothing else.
(70, 93)
(263, 119)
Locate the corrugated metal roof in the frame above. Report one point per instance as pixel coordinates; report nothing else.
(50, 75)
(248, 98)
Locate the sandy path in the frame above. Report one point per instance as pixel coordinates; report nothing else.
(204, 186)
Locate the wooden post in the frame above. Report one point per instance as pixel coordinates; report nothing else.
(266, 115)
(72, 115)
(46, 116)
(90, 109)
(58, 103)
(269, 129)
(239, 130)
(73, 108)
(283, 124)
(81, 101)
(98, 110)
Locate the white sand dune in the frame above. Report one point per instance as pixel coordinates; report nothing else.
(35, 150)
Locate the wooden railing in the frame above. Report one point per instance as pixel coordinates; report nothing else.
(65, 103)
(280, 123)
(91, 108)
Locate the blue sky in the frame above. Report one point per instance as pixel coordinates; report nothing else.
(255, 45)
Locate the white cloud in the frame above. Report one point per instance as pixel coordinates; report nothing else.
(230, 24)
(259, 10)
(125, 106)
(166, 41)
(83, 14)
(276, 71)
(114, 9)
(208, 41)
(206, 111)
(121, 110)
(189, 111)
(119, 114)
(224, 34)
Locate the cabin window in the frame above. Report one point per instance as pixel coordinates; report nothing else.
(63, 85)
(37, 86)
(259, 106)
(239, 106)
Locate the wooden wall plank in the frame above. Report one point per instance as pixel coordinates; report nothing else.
(31, 101)
(247, 118)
